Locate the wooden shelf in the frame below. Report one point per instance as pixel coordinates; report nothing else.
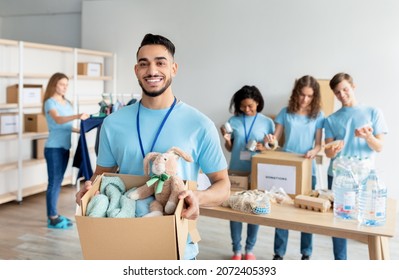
(47, 47)
(7, 137)
(9, 74)
(12, 196)
(7, 197)
(95, 53)
(37, 76)
(6, 42)
(101, 78)
(8, 106)
(14, 165)
(15, 106)
(8, 166)
(25, 57)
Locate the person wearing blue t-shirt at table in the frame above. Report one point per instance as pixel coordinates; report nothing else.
(361, 130)
(59, 116)
(247, 124)
(302, 123)
(158, 122)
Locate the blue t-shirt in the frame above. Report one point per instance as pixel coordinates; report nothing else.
(299, 132)
(341, 125)
(242, 134)
(186, 128)
(59, 134)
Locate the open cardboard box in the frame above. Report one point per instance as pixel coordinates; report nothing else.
(153, 238)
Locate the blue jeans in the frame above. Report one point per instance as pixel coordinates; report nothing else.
(339, 244)
(252, 234)
(57, 162)
(281, 237)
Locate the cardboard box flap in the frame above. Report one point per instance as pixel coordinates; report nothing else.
(238, 173)
(84, 201)
(280, 155)
(181, 229)
(192, 224)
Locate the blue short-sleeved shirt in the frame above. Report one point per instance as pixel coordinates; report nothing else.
(59, 134)
(263, 125)
(186, 128)
(341, 125)
(299, 132)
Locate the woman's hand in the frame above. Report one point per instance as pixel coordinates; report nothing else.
(83, 116)
(311, 154)
(269, 138)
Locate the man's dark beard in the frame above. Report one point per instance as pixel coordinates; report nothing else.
(155, 93)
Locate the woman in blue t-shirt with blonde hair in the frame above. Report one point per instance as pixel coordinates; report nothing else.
(302, 124)
(59, 115)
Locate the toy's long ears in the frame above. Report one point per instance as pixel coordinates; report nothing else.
(181, 153)
(149, 157)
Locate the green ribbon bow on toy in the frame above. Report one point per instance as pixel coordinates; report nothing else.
(161, 180)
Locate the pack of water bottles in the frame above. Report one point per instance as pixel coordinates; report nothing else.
(359, 193)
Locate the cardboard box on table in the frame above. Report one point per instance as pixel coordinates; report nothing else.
(239, 180)
(292, 172)
(152, 238)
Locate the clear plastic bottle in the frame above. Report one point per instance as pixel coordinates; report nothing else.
(372, 201)
(361, 168)
(345, 190)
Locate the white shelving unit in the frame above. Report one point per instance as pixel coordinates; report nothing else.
(31, 63)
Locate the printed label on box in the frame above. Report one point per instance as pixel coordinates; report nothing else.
(32, 96)
(93, 69)
(8, 124)
(283, 176)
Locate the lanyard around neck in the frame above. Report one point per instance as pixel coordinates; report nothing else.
(159, 129)
(250, 128)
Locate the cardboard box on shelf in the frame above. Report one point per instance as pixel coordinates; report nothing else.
(35, 123)
(151, 238)
(292, 172)
(9, 123)
(239, 180)
(38, 148)
(31, 94)
(92, 69)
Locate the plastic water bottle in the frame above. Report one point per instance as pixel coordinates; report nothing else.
(361, 168)
(345, 190)
(372, 201)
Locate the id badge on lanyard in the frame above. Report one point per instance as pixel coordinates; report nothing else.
(245, 155)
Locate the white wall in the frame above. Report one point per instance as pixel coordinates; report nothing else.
(58, 29)
(222, 45)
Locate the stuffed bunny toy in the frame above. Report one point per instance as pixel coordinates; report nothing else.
(164, 183)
